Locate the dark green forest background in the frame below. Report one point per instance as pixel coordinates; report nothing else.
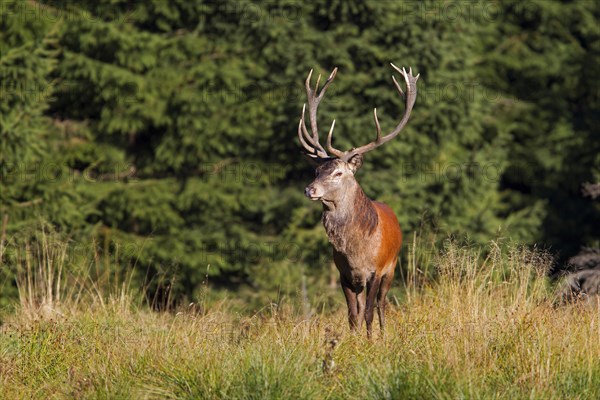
(161, 135)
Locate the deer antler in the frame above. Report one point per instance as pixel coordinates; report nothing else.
(409, 100)
(312, 145)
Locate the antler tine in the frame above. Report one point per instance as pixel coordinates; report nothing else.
(307, 82)
(302, 141)
(314, 148)
(332, 150)
(399, 88)
(327, 82)
(377, 125)
(409, 99)
(396, 68)
(314, 152)
(307, 136)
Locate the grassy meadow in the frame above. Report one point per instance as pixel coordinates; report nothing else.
(486, 326)
(156, 241)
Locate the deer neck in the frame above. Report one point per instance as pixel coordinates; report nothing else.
(349, 219)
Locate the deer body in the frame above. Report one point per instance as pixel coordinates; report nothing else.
(366, 240)
(365, 234)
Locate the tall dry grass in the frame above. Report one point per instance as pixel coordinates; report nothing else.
(485, 325)
(56, 277)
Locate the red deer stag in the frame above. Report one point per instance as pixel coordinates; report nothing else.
(365, 234)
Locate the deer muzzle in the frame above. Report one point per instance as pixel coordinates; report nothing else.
(311, 192)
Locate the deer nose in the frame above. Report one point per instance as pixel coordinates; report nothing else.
(309, 191)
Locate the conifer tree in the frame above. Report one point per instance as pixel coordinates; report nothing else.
(166, 130)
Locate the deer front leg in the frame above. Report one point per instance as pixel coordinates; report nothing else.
(350, 302)
(361, 299)
(372, 289)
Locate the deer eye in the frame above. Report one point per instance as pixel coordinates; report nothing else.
(337, 174)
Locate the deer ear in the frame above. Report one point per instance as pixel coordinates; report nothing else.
(355, 162)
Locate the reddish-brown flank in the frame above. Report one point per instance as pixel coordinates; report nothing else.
(391, 237)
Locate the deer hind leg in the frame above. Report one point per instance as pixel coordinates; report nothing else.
(372, 289)
(386, 283)
(351, 302)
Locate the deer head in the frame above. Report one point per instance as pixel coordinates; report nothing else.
(335, 174)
